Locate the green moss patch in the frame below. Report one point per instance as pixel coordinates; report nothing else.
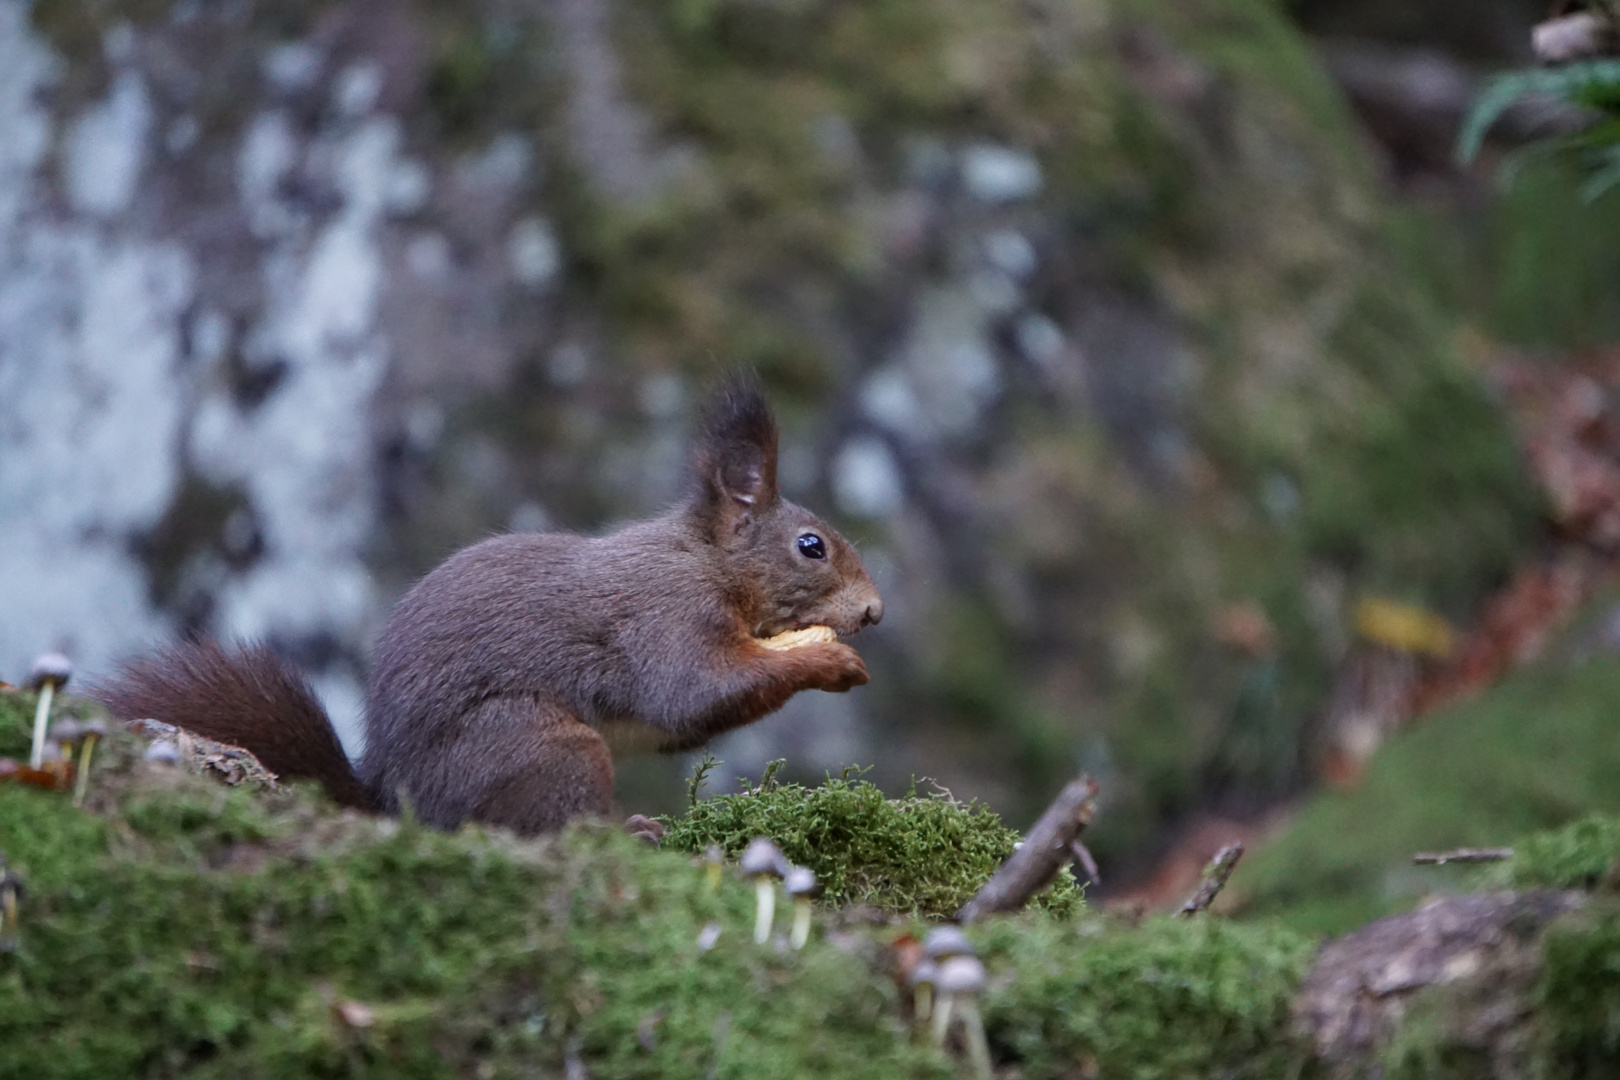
(1581, 855)
(1578, 996)
(917, 855)
(1171, 998)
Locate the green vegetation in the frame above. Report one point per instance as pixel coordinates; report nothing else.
(175, 926)
(1171, 998)
(1536, 268)
(1582, 855)
(1578, 996)
(179, 927)
(922, 855)
(1593, 85)
(1535, 752)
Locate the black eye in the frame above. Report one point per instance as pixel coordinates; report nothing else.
(811, 547)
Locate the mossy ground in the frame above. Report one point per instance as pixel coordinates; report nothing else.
(1577, 996)
(1535, 752)
(1570, 1020)
(177, 927)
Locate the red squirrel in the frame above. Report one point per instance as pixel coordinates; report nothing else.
(500, 672)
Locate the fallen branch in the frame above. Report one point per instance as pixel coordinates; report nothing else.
(1463, 855)
(1213, 881)
(1049, 845)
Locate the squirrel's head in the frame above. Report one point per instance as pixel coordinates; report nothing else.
(791, 569)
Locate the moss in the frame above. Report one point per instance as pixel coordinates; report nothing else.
(921, 854)
(1534, 752)
(178, 927)
(187, 928)
(1171, 998)
(1581, 855)
(1578, 996)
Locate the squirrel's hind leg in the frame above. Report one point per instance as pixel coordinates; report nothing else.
(526, 764)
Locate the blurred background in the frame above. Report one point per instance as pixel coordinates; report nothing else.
(1178, 386)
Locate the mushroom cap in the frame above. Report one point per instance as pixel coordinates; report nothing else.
(164, 751)
(926, 971)
(53, 668)
(97, 728)
(945, 941)
(762, 857)
(67, 730)
(960, 975)
(714, 854)
(799, 881)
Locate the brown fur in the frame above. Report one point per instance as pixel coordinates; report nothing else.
(499, 672)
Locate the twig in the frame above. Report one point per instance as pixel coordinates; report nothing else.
(1440, 858)
(1214, 880)
(1047, 847)
(1082, 855)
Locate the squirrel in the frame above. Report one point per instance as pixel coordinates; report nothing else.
(502, 675)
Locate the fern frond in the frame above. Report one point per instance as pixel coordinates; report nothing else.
(1595, 84)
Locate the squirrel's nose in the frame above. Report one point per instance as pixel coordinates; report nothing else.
(874, 613)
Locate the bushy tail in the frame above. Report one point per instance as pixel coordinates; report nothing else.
(248, 698)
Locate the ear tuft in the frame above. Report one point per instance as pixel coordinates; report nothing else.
(736, 453)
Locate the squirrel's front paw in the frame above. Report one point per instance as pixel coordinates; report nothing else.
(646, 828)
(841, 669)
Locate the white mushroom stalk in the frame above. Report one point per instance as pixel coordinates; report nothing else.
(65, 734)
(799, 884)
(49, 672)
(960, 980)
(765, 913)
(943, 943)
(92, 733)
(763, 863)
(942, 1013)
(922, 989)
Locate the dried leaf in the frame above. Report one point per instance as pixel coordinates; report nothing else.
(1403, 627)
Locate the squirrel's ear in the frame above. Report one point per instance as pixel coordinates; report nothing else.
(736, 456)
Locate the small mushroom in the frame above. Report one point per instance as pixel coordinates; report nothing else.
(66, 732)
(60, 744)
(922, 981)
(49, 674)
(800, 883)
(960, 979)
(92, 732)
(713, 860)
(11, 895)
(944, 942)
(763, 863)
(163, 751)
